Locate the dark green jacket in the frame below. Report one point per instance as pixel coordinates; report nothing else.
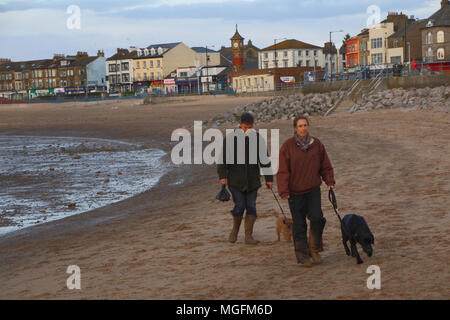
(242, 177)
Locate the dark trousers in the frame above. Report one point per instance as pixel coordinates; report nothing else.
(309, 206)
(243, 201)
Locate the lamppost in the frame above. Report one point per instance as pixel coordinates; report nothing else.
(276, 57)
(409, 55)
(331, 45)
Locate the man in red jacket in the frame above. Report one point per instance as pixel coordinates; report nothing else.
(303, 164)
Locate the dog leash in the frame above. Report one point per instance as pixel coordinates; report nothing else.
(332, 198)
(282, 211)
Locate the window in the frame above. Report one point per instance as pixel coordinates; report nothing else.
(183, 74)
(285, 64)
(159, 75)
(112, 68)
(376, 43)
(144, 64)
(158, 63)
(430, 54)
(249, 82)
(429, 38)
(285, 53)
(440, 54)
(396, 60)
(138, 65)
(440, 37)
(266, 56)
(307, 63)
(151, 64)
(307, 53)
(266, 65)
(300, 63)
(145, 76)
(377, 58)
(299, 53)
(316, 63)
(395, 44)
(256, 82)
(125, 77)
(139, 77)
(315, 53)
(152, 76)
(125, 66)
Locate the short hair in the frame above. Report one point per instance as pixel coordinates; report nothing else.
(300, 118)
(247, 117)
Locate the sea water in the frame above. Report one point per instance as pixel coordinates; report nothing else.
(49, 178)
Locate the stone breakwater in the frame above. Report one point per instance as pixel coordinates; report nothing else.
(414, 99)
(280, 108)
(288, 106)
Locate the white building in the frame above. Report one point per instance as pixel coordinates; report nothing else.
(291, 53)
(119, 70)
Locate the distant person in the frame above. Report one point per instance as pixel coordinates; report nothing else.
(303, 162)
(243, 180)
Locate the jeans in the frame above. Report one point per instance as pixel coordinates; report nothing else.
(243, 201)
(309, 206)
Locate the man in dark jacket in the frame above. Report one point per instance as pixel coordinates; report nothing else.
(243, 177)
(303, 162)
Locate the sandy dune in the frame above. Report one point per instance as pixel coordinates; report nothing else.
(392, 167)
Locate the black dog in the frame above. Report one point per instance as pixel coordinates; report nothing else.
(355, 229)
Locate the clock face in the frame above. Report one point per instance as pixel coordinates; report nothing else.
(235, 44)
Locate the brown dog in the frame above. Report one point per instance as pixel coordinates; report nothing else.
(284, 226)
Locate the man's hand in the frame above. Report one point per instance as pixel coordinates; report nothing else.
(285, 197)
(269, 185)
(330, 187)
(224, 181)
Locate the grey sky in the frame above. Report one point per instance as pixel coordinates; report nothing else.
(37, 29)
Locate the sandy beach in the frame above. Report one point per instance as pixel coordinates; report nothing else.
(170, 242)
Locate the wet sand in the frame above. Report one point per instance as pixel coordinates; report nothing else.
(391, 166)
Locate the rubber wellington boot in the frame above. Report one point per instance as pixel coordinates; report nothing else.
(234, 232)
(301, 253)
(248, 225)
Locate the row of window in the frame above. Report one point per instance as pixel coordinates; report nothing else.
(116, 67)
(124, 77)
(440, 53)
(376, 43)
(440, 37)
(40, 73)
(257, 82)
(144, 64)
(152, 76)
(285, 53)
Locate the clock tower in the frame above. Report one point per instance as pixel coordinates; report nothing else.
(237, 49)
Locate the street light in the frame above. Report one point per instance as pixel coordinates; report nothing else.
(331, 44)
(276, 58)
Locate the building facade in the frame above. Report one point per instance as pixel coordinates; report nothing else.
(119, 71)
(436, 35)
(291, 53)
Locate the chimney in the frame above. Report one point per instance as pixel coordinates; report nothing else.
(100, 53)
(445, 3)
(82, 54)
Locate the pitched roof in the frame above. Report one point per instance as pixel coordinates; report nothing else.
(291, 44)
(203, 50)
(83, 61)
(441, 17)
(409, 27)
(122, 54)
(164, 45)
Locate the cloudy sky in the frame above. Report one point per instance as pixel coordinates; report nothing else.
(38, 29)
